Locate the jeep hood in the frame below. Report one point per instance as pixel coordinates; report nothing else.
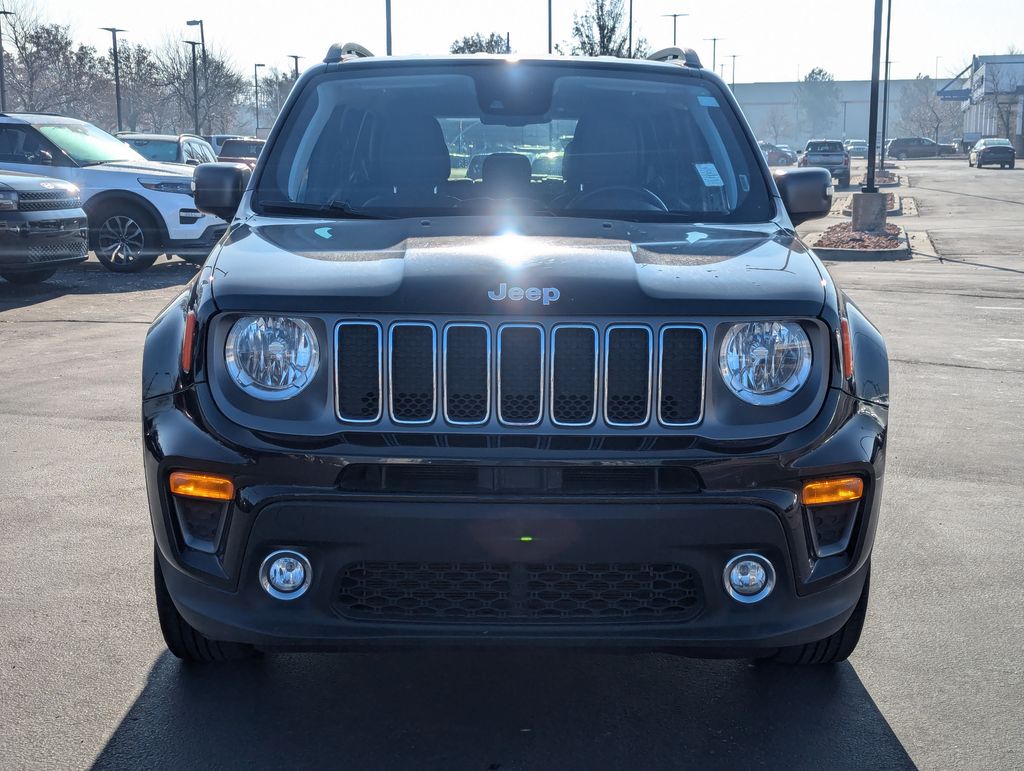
(446, 267)
(146, 168)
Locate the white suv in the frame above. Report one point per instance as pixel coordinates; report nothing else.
(137, 209)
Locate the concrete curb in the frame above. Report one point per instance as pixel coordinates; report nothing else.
(901, 252)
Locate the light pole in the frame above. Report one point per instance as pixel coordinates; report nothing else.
(873, 107)
(117, 72)
(885, 98)
(551, 46)
(195, 83)
(630, 48)
(845, 102)
(387, 24)
(206, 64)
(675, 18)
(295, 59)
(256, 92)
(937, 68)
(3, 84)
(733, 57)
(714, 51)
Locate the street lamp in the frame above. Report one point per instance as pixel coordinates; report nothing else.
(3, 84)
(551, 48)
(195, 83)
(206, 63)
(675, 18)
(117, 72)
(714, 51)
(387, 24)
(256, 84)
(296, 58)
(733, 57)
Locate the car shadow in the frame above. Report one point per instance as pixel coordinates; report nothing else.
(497, 709)
(91, 278)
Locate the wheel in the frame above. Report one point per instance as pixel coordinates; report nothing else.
(28, 276)
(1013, 163)
(124, 237)
(1002, 165)
(844, 181)
(182, 639)
(836, 647)
(978, 164)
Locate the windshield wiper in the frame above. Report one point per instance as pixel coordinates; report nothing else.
(335, 209)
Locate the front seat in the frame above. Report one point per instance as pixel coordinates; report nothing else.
(413, 164)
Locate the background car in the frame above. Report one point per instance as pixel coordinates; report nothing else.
(217, 140)
(989, 152)
(170, 148)
(137, 209)
(42, 227)
(776, 155)
(902, 148)
(857, 148)
(241, 151)
(828, 154)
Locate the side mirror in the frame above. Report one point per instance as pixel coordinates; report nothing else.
(218, 188)
(806, 192)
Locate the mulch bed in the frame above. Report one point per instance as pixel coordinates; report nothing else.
(843, 236)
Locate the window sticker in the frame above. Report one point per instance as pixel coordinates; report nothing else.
(709, 174)
(707, 101)
(744, 183)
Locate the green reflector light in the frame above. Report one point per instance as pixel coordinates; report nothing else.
(525, 538)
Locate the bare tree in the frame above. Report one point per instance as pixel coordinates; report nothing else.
(602, 30)
(923, 113)
(776, 123)
(495, 43)
(218, 107)
(1006, 95)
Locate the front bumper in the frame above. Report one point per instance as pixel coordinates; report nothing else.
(293, 499)
(40, 240)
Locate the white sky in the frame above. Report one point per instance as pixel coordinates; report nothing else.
(773, 38)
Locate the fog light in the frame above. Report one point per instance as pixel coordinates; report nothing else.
(749, 578)
(285, 574)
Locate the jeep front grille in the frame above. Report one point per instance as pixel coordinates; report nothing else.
(520, 374)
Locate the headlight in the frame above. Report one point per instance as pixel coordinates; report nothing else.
(163, 186)
(765, 362)
(8, 200)
(272, 357)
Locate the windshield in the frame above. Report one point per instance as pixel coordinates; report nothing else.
(237, 148)
(85, 144)
(824, 147)
(165, 150)
(541, 138)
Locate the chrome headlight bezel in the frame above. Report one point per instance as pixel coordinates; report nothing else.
(9, 200)
(303, 364)
(739, 362)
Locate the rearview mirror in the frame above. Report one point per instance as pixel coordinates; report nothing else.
(219, 187)
(806, 192)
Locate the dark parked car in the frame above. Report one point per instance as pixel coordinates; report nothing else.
(775, 155)
(241, 151)
(989, 152)
(623, 406)
(902, 148)
(42, 227)
(828, 154)
(187, 149)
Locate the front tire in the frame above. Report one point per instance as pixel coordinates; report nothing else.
(124, 238)
(184, 640)
(29, 276)
(836, 647)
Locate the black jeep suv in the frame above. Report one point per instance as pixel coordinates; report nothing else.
(623, 406)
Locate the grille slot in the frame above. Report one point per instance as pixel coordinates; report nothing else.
(573, 375)
(359, 371)
(412, 384)
(536, 593)
(627, 375)
(520, 374)
(48, 201)
(467, 374)
(681, 383)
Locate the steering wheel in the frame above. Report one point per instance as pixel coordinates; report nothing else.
(616, 195)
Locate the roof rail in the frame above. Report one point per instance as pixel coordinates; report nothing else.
(687, 55)
(337, 52)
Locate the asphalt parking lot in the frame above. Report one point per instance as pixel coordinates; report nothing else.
(936, 681)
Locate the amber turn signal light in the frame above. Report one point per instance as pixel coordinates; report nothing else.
(847, 344)
(840, 490)
(209, 486)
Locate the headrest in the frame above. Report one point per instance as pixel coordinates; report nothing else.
(509, 170)
(413, 150)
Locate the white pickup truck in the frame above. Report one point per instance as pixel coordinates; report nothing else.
(828, 154)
